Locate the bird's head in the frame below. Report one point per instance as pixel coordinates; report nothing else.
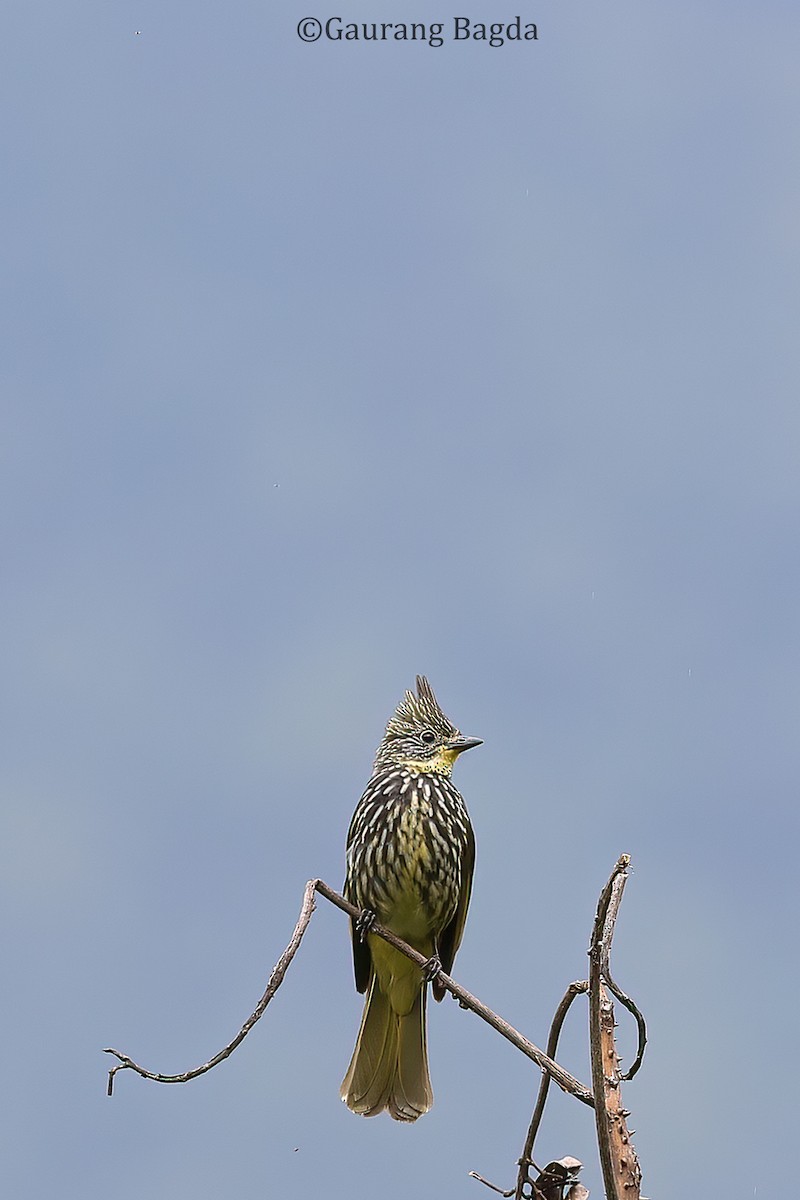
(420, 737)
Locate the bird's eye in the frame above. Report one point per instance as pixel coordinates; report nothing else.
(428, 736)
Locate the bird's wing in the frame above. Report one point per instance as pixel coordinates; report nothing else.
(362, 959)
(451, 935)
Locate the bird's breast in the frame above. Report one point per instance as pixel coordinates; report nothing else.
(406, 851)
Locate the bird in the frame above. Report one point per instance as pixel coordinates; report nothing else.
(410, 861)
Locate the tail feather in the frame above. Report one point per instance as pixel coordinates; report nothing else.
(389, 1067)
(412, 1094)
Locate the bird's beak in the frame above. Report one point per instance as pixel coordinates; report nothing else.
(458, 745)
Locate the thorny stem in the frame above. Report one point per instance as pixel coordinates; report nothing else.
(618, 1160)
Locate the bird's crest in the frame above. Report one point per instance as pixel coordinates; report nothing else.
(422, 709)
(413, 713)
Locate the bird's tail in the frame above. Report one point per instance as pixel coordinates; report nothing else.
(389, 1067)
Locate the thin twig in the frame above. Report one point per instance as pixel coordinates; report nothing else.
(626, 1001)
(577, 988)
(275, 981)
(563, 1078)
(493, 1186)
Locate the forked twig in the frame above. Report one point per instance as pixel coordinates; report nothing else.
(613, 1137)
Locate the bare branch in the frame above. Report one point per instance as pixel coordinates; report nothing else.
(614, 902)
(563, 1078)
(275, 981)
(578, 988)
(613, 1137)
(620, 1166)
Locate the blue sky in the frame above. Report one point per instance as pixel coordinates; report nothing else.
(330, 364)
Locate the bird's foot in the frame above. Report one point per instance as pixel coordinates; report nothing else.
(432, 968)
(364, 922)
